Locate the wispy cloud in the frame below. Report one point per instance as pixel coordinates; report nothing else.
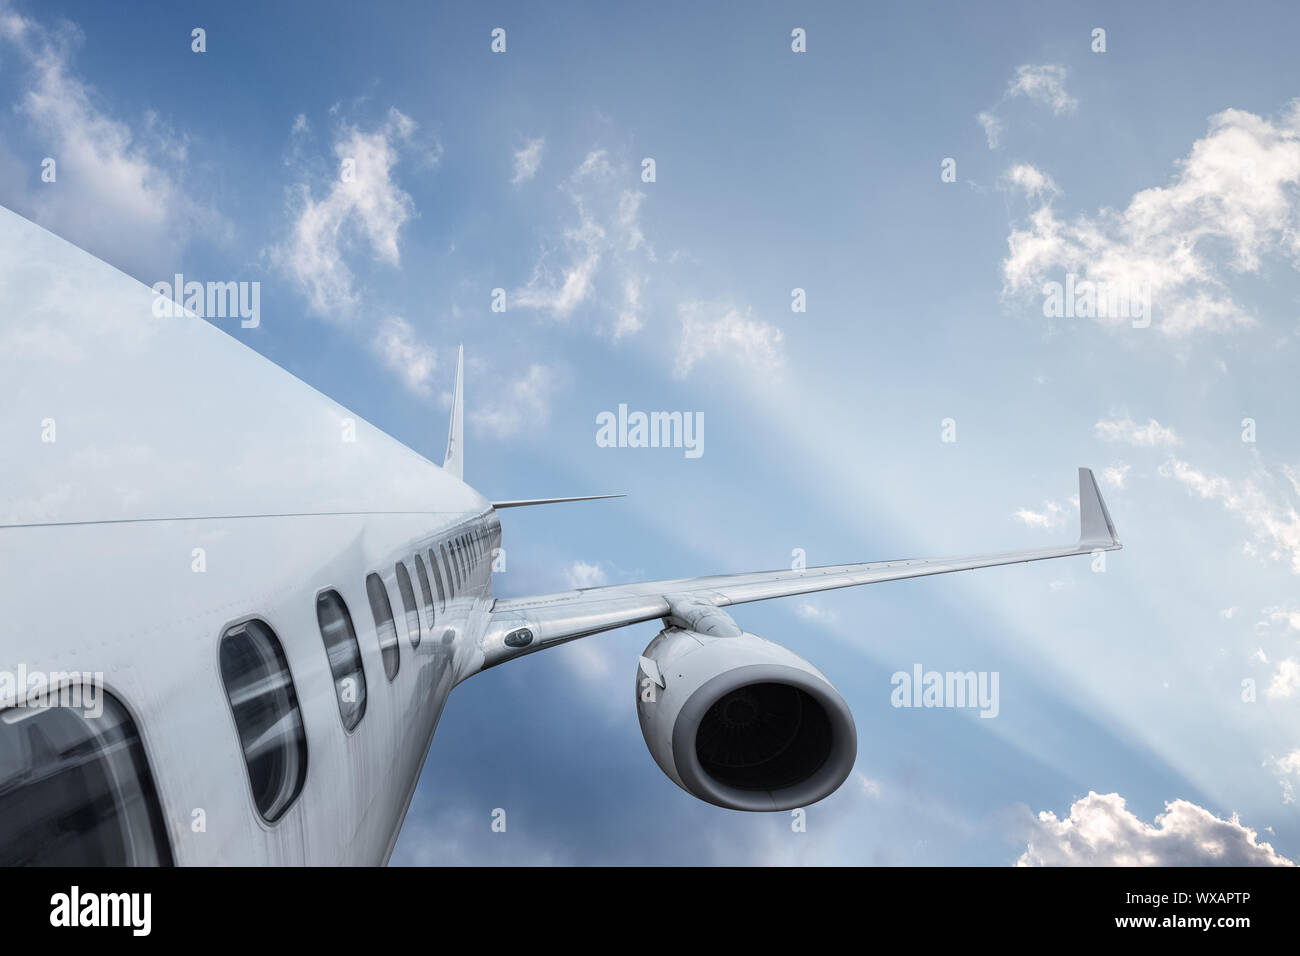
(721, 332)
(526, 402)
(582, 574)
(812, 611)
(528, 160)
(1052, 515)
(1031, 181)
(119, 191)
(1272, 518)
(597, 261)
(1231, 204)
(404, 354)
(1116, 475)
(363, 203)
(359, 215)
(1288, 767)
(993, 128)
(1044, 84)
(1150, 435)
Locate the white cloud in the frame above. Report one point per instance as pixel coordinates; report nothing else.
(524, 403)
(1116, 475)
(1280, 615)
(402, 351)
(1044, 84)
(581, 574)
(1150, 435)
(1286, 679)
(629, 206)
(367, 206)
(723, 332)
(629, 319)
(454, 831)
(528, 160)
(595, 165)
(1101, 831)
(1275, 524)
(1053, 515)
(597, 261)
(868, 787)
(560, 293)
(1232, 202)
(811, 611)
(1030, 180)
(119, 191)
(992, 128)
(1288, 766)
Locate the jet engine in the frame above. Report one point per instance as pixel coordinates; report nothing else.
(738, 721)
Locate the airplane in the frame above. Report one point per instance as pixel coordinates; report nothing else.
(234, 610)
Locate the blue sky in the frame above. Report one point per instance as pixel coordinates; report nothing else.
(1169, 161)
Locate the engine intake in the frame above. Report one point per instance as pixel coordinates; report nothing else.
(741, 722)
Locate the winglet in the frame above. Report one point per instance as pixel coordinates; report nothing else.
(454, 461)
(1096, 529)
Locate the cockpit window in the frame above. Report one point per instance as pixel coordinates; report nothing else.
(408, 604)
(382, 610)
(344, 655)
(75, 789)
(265, 706)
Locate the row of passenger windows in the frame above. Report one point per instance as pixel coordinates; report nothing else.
(260, 687)
(78, 791)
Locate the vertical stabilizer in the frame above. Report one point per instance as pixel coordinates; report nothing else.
(455, 460)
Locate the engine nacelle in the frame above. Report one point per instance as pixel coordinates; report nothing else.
(741, 722)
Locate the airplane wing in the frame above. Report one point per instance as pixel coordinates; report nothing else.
(523, 625)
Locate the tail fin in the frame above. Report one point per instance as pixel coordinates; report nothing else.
(454, 461)
(1096, 529)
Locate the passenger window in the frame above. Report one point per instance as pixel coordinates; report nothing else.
(344, 655)
(425, 591)
(265, 706)
(382, 611)
(453, 565)
(408, 603)
(75, 788)
(437, 579)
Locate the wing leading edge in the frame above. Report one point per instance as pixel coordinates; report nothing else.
(556, 618)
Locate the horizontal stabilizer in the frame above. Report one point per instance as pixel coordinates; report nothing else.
(528, 502)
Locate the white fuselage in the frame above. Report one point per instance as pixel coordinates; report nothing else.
(163, 482)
